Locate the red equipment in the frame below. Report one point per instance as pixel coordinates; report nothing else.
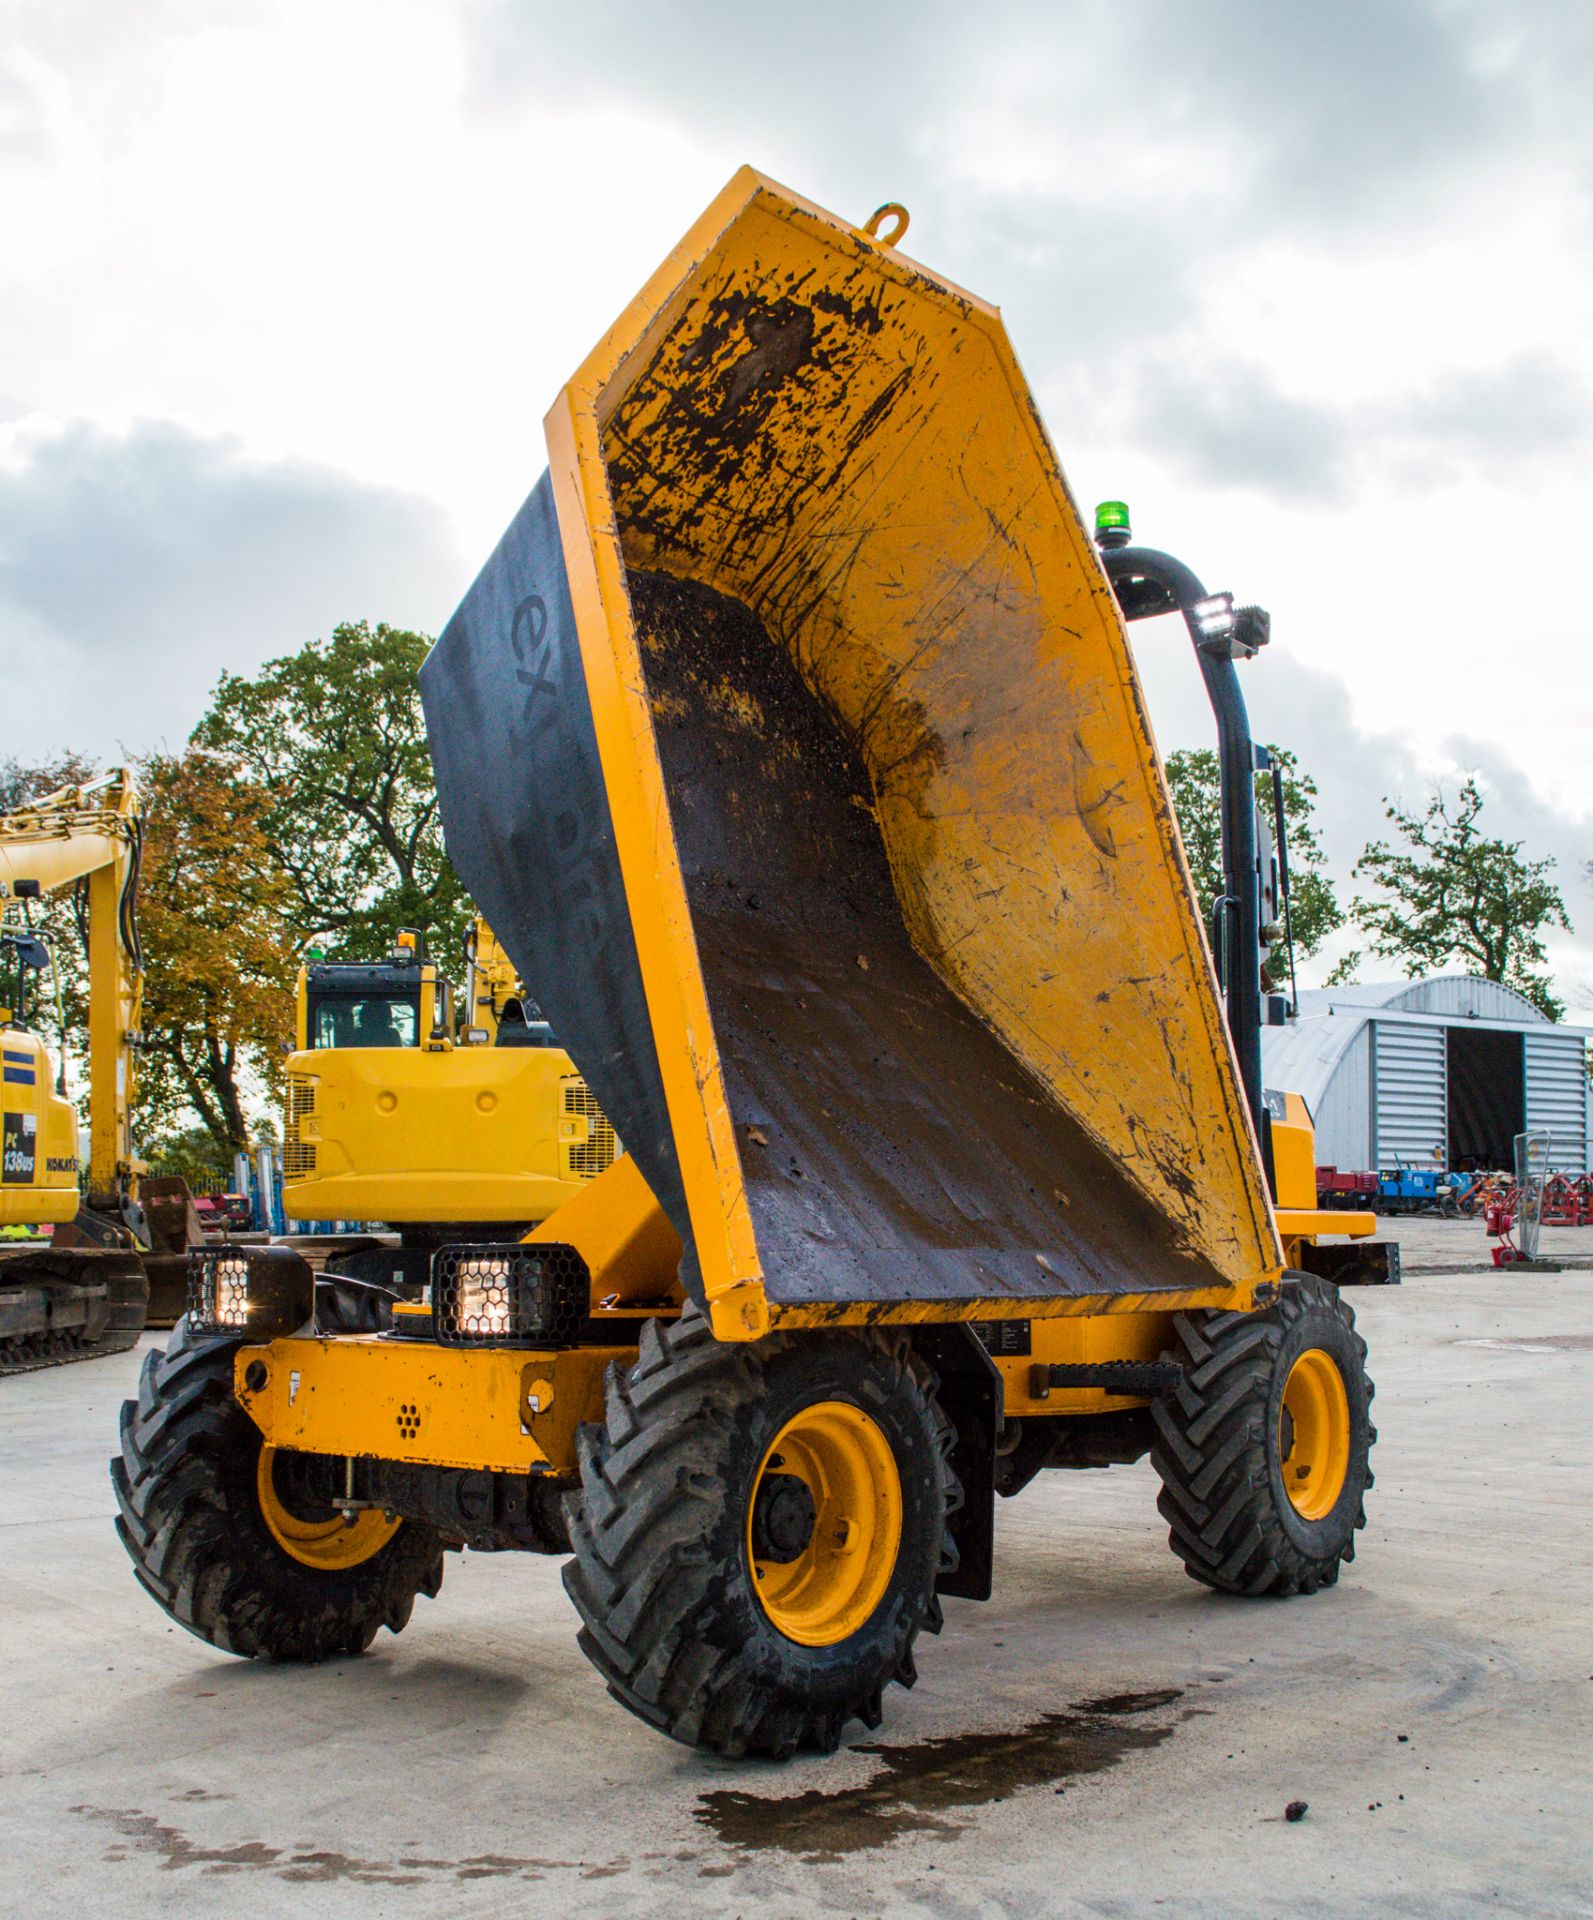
(1338, 1189)
(1499, 1219)
(1562, 1201)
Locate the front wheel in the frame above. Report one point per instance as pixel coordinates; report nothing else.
(227, 1534)
(758, 1533)
(1264, 1450)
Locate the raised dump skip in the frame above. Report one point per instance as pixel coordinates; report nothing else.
(791, 741)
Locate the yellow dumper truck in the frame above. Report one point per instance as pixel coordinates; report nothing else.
(792, 744)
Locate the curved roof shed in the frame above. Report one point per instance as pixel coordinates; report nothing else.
(1423, 1072)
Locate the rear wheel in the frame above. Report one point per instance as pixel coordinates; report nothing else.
(227, 1536)
(1264, 1450)
(758, 1534)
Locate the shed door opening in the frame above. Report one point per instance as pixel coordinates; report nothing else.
(1487, 1098)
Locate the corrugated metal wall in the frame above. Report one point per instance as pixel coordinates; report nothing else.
(1410, 1094)
(1464, 997)
(1344, 1113)
(1557, 1096)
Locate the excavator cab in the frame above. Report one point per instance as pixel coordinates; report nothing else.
(392, 1003)
(38, 1171)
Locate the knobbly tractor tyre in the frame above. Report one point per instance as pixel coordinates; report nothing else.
(758, 1533)
(1264, 1451)
(224, 1537)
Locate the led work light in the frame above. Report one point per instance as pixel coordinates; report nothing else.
(513, 1295)
(255, 1290)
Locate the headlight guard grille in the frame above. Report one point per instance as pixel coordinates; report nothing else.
(497, 1295)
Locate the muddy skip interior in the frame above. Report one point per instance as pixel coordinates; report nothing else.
(891, 1145)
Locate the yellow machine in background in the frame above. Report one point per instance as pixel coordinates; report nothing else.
(406, 1113)
(83, 1290)
(792, 742)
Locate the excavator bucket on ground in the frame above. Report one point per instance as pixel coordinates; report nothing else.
(792, 741)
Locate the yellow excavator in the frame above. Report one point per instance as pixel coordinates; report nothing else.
(82, 1289)
(435, 1121)
(791, 741)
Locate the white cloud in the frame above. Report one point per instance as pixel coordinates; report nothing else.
(1312, 287)
(135, 568)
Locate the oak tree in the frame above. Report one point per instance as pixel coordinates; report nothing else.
(1449, 895)
(219, 954)
(334, 736)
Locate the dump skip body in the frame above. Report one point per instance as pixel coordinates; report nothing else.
(792, 742)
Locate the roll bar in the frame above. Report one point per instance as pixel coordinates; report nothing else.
(1147, 583)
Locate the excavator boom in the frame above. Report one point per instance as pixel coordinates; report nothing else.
(84, 1290)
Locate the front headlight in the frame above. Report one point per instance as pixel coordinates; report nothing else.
(256, 1290)
(509, 1296)
(483, 1293)
(218, 1289)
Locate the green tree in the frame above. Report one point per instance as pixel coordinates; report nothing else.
(193, 1153)
(1453, 896)
(220, 955)
(1193, 774)
(335, 737)
(215, 920)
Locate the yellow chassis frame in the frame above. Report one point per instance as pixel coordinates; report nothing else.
(505, 1408)
(511, 1410)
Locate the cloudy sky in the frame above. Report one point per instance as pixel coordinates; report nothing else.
(286, 286)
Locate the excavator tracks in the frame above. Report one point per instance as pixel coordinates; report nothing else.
(27, 1353)
(56, 1307)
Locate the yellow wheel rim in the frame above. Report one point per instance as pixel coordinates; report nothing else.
(1314, 1434)
(330, 1546)
(840, 1576)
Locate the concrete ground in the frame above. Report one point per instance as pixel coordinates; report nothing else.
(1455, 1246)
(1104, 1738)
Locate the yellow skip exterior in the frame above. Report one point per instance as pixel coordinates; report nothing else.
(1070, 929)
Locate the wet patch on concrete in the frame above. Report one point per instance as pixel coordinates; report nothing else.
(175, 1852)
(920, 1789)
(1120, 1703)
(1536, 1343)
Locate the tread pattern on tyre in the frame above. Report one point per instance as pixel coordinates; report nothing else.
(1219, 1497)
(191, 1524)
(649, 1599)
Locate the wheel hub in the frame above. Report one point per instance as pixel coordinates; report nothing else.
(783, 1517)
(1314, 1434)
(824, 1523)
(314, 1535)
